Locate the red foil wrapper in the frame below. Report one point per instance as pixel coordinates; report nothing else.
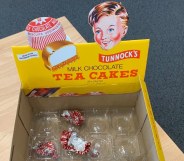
(46, 149)
(70, 141)
(75, 117)
(44, 30)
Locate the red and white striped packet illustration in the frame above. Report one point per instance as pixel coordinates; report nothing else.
(44, 30)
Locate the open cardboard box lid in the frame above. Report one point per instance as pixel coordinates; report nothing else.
(63, 68)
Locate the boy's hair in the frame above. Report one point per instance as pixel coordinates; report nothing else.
(106, 9)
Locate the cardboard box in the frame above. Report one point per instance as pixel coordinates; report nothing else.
(127, 89)
(138, 100)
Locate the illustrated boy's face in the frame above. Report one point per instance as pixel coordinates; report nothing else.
(109, 31)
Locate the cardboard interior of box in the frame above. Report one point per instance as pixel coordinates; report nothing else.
(27, 106)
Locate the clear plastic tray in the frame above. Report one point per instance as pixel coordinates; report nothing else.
(114, 135)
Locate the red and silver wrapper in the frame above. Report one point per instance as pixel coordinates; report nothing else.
(44, 30)
(70, 141)
(75, 117)
(46, 149)
(64, 140)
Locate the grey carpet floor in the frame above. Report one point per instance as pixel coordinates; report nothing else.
(161, 21)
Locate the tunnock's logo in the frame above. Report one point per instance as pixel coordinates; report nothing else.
(119, 56)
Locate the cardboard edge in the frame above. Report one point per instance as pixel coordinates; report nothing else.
(13, 152)
(152, 121)
(13, 138)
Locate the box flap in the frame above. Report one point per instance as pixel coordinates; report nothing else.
(152, 121)
(63, 68)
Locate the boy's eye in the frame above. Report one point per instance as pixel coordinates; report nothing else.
(111, 30)
(97, 31)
